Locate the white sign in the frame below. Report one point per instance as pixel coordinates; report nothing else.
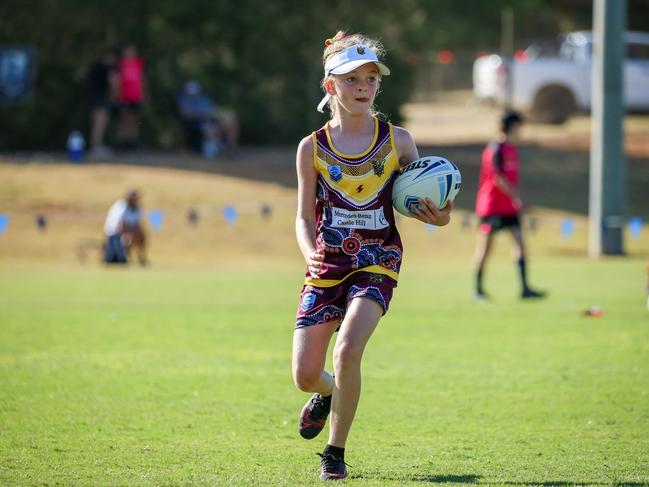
(368, 219)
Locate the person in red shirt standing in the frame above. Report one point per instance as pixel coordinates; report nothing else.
(131, 97)
(498, 203)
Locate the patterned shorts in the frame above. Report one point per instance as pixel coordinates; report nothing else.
(320, 305)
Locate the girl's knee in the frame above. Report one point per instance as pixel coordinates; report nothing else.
(347, 354)
(306, 380)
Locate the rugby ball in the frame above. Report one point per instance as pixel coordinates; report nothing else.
(428, 177)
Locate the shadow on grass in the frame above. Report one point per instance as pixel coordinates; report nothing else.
(475, 479)
(429, 479)
(562, 483)
(446, 479)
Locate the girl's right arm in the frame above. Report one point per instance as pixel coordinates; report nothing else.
(305, 230)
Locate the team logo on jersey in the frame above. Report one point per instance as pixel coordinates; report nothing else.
(335, 173)
(308, 300)
(378, 166)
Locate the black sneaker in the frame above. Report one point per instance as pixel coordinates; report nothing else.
(314, 416)
(332, 467)
(532, 294)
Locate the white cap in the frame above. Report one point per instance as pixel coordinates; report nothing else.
(347, 61)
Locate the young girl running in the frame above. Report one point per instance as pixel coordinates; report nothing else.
(346, 231)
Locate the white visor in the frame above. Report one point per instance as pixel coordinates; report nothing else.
(347, 61)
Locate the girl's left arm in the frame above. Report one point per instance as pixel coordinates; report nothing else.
(406, 147)
(427, 211)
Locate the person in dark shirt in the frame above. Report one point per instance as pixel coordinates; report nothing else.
(103, 81)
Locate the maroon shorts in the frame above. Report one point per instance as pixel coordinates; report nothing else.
(320, 305)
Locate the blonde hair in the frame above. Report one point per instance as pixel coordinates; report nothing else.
(339, 43)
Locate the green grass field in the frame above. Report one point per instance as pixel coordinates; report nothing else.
(163, 377)
(179, 373)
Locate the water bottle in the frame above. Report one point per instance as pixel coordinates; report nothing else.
(76, 146)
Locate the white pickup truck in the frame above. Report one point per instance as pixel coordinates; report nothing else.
(549, 88)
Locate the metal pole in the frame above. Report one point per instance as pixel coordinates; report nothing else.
(607, 198)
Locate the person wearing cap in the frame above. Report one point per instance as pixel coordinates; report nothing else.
(208, 127)
(123, 229)
(498, 203)
(345, 228)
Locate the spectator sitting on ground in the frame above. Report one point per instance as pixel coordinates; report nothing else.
(209, 128)
(124, 230)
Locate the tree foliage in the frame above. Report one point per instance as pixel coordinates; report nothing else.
(261, 58)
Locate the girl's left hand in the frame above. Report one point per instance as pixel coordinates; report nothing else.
(427, 212)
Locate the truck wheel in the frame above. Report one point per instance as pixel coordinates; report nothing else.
(552, 104)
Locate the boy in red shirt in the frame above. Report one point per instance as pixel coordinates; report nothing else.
(498, 203)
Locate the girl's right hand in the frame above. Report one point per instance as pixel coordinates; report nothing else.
(427, 212)
(314, 262)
